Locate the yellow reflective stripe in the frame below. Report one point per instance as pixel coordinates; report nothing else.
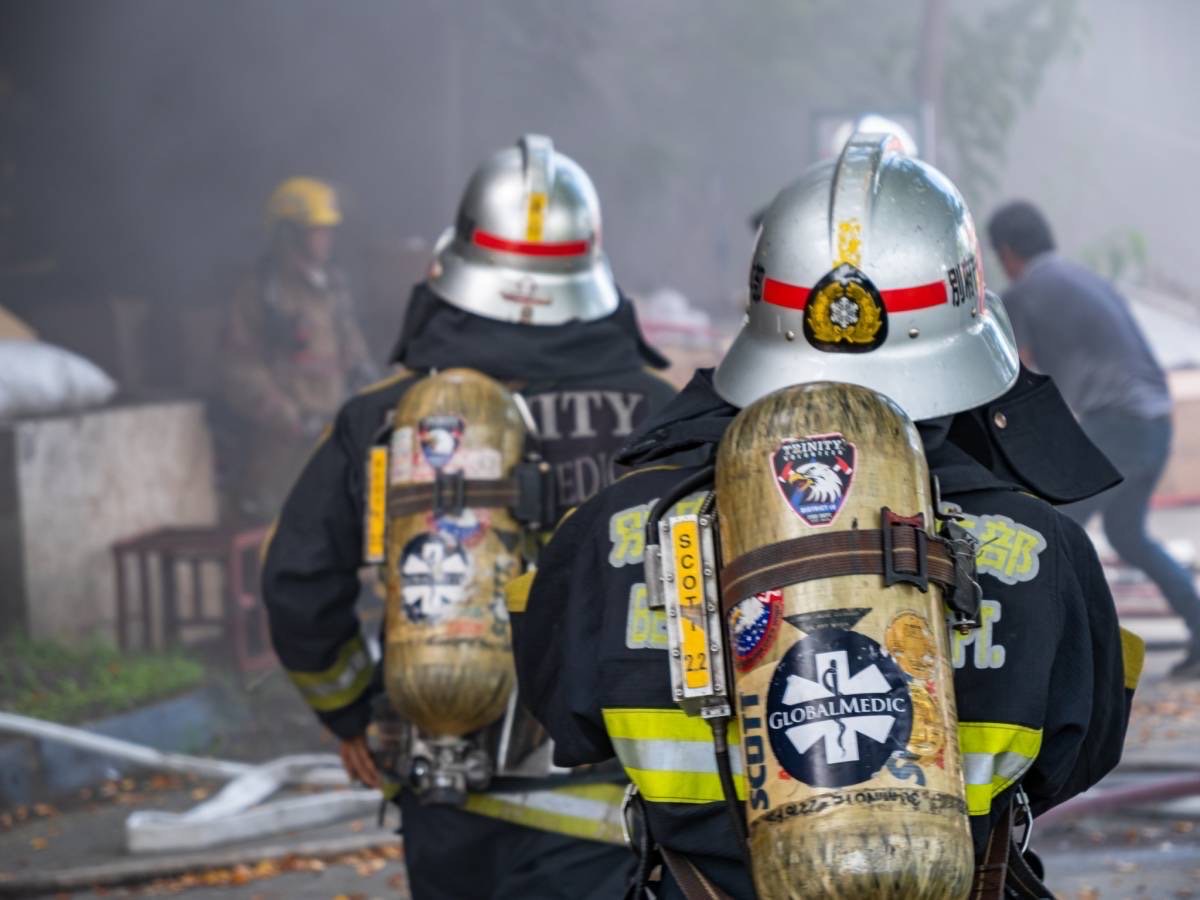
(995, 755)
(685, 787)
(516, 592)
(589, 812)
(1133, 655)
(342, 683)
(661, 724)
(265, 546)
(386, 381)
(669, 754)
(664, 467)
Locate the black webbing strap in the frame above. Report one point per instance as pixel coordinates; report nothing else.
(690, 879)
(1005, 873)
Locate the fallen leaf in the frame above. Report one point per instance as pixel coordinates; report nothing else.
(1125, 865)
(199, 793)
(39, 843)
(1087, 893)
(357, 825)
(44, 810)
(1183, 827)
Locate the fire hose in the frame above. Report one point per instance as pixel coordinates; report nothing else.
(239, 811)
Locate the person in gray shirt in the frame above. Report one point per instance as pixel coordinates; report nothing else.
(1075, 326)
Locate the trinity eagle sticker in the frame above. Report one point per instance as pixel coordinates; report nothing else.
(814, 474)
(753, 623)
(440, 437)
(844, 313)
(837, 709)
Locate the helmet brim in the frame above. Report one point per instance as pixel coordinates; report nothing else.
(966, 370)
(510, 295)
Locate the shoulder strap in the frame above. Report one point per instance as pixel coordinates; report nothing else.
(691, 881)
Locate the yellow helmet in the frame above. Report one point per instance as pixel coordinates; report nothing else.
(306, 202)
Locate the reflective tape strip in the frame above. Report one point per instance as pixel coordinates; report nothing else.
(342, 683)
(589, 811)
(1133, 655)
(686, 756)
(669, 754)
(995, 756)
(516, 592)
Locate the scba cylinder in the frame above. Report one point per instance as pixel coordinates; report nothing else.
(843, 686)
(448, 665)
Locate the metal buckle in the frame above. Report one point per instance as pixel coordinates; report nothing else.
(626, 814)
(449, 494)
(1022, 801)
(891, 574)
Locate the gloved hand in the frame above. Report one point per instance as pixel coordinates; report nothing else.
(356, 758)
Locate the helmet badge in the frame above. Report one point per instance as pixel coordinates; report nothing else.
(845, 313)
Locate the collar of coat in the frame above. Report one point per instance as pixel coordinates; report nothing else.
(437, 335)
(1025, 440)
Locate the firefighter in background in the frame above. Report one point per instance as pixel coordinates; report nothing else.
(1043, 683)
(294, 349)
(521, 291)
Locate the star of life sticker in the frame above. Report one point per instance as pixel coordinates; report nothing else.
(838, 706)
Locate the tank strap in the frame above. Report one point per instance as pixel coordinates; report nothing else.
(901, 551)
(451, 494)
(528, 494)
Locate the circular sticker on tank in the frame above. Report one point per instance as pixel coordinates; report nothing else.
(838, 708)
(435, 571)
(753, 623)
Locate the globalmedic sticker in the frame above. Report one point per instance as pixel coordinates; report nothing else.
(814, 475)
(435, 571)
(837, 709)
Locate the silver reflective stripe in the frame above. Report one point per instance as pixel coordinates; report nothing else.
(672, 756)
(354, 666)
(563, 804)
(982, 768)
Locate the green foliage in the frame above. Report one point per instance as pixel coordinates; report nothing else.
(994, 66)
(1117, 255)
(72, 683)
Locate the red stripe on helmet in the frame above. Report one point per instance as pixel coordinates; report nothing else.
(528, 248)
(896, 300)
(922, 296)
(779, 293)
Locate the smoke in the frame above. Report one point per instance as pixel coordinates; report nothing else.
(155, 130)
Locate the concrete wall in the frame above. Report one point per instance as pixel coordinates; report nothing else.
(70, 486)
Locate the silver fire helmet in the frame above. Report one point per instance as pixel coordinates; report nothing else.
(526, 244)
(867, 271)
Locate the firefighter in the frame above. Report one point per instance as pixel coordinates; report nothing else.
(1043, 682)
(521, 291)
(294, 349)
